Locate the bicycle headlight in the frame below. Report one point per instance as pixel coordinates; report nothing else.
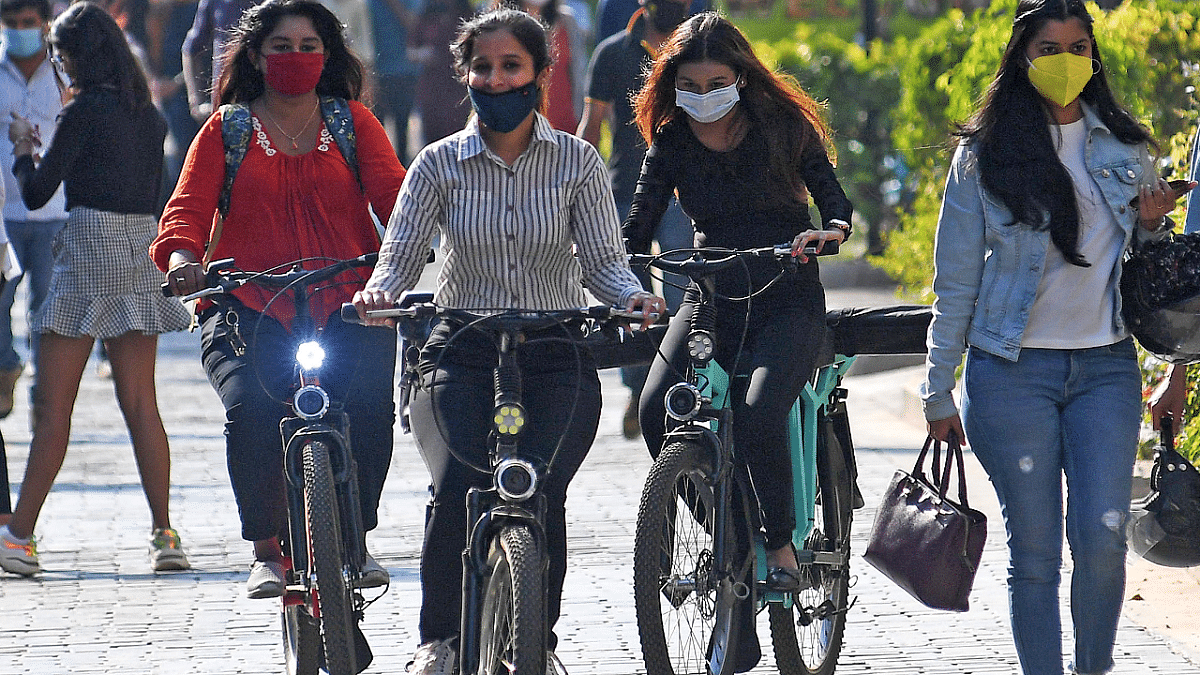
(516, 479)
(509, 419)
(683, 401)
(310, 355)
(310, 402)
(700, 346)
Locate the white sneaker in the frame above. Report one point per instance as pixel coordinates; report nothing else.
(18, 556)
(438, 657)
(166, 551)
(266, 580)
(373, 574)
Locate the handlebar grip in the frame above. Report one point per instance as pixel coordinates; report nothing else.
(165, 289)
(830, 248)
(350, 313)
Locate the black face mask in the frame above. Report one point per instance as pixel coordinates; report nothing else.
(666, 14)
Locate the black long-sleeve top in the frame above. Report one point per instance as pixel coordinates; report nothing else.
(109, 157)
(731, 197)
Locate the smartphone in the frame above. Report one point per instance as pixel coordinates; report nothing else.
(1180, 187)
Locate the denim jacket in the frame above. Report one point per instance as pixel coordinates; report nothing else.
(986, 271)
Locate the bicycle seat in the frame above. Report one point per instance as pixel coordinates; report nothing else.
(894, 329)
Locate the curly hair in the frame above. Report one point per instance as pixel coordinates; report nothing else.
(241, 82)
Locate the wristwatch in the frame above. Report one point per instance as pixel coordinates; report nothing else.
(839, 224)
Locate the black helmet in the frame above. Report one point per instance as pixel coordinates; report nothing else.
(1171, 333)
(1164, 528)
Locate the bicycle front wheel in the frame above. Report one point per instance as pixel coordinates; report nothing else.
(512, 638)
(685, 606)
(808, 635)
(301, 641)
(334, 601)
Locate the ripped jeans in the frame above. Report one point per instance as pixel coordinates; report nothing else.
(1053, 413)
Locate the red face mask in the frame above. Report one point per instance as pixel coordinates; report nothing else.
(294, 73)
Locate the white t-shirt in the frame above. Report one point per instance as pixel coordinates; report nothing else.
(1074, 307)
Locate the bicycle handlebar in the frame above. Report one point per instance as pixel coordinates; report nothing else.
(703, 262)
(223, 279)
(513, 320)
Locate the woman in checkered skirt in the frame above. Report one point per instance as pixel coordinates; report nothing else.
(108, 153)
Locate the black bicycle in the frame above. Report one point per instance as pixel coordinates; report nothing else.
(326, 544)
(503, 630)
(699, 555)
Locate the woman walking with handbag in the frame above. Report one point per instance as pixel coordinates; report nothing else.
(1035, 218)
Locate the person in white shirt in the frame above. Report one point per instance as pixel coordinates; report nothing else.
(30, 88)
(511, 199)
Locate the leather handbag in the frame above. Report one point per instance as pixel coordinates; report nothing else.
(927, 543)
(1160, 296)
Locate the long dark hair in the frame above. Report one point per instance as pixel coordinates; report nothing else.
(1017, 160)
(241, 82)
(99, 54)
(524, 27)
(790, 119)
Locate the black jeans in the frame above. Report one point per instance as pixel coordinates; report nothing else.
(453, 411)
(255, 387)
(782, 339)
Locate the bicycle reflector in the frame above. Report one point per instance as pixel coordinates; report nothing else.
(310, 355)
(310, 402)
(509, 419)
(683, 401)
(516, 479)
(700, 345)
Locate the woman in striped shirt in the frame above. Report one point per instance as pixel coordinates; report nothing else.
(511, 198)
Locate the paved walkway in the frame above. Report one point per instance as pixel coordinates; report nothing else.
(98, 609)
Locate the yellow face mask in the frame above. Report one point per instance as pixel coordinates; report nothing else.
(1060, 77)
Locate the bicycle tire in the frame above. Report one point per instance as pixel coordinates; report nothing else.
(301, 641)
(686, 611)
(512, 636)
(328, 561)
(808, 635)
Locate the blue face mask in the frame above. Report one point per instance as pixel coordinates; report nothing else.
(505, 111)
(21, 43)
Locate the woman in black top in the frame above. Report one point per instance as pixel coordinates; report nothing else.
(744, 148)
(108, 151)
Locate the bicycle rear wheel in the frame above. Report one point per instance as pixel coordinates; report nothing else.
(686, 609)
(512, 637)
(334, 599)
(808, 635)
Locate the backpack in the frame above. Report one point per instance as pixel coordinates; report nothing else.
(237, 128)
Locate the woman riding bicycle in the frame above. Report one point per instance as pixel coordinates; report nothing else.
(510, 197)
(295, 196)
(743, 148)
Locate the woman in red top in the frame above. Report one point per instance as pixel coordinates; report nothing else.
(294, 197)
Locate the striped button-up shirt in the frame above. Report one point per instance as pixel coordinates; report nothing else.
(508, 233)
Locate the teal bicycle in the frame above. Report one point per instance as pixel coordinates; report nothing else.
(699, 555)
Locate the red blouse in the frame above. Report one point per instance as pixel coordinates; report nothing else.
(284, 208)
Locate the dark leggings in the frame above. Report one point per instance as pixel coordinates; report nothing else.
(253, 387)
(454, 411)
(779, 357)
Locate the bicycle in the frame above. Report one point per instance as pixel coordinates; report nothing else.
(699, 554)
(326, 543)
(505, 563)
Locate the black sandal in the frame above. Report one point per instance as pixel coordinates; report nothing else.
(783, 579)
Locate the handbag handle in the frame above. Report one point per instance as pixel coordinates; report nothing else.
(940, 474)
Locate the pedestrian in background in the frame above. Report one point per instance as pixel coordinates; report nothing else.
(294, 197)
(204, 51)
(392, 22)
(1034, 222)
(744, 148)
(7, 261)
(615, 74)
(522, 257)
(108, 154)
(31, 89)
(441, 105)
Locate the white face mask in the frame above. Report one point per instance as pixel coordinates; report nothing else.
(708, 107)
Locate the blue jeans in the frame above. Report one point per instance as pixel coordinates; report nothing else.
(674, 231)
(1055, 412)
(31, 240)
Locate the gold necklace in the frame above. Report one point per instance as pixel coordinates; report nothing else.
(295, 145)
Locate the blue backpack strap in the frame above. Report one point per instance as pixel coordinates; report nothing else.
(340, 122)
(237, 127)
